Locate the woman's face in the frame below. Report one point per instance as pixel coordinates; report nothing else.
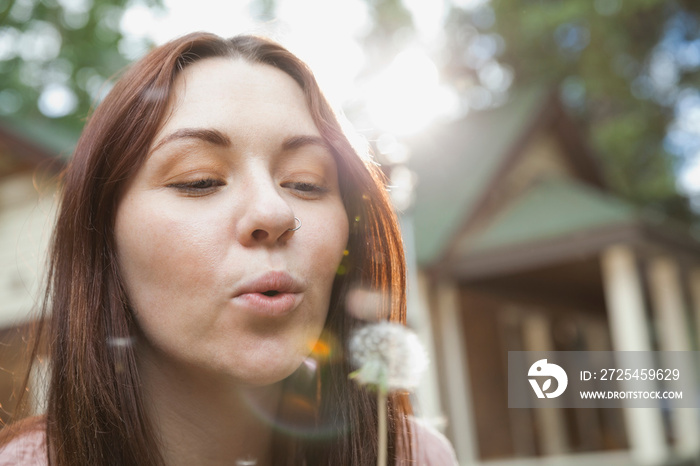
(218, 282)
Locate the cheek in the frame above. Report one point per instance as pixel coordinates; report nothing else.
(327, 241)
(153, 262)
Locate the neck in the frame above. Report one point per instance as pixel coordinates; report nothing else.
(203, 420)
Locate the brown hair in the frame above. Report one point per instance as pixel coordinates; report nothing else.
(95, 409)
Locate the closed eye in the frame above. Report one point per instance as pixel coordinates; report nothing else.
(198, 187)
(308, 187)
(305, 189)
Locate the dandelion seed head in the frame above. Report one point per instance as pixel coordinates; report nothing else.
(387, 355)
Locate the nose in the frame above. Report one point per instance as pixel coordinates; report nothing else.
(267, 217)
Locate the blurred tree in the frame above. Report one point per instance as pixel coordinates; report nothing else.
(622, 68)
(56, 57)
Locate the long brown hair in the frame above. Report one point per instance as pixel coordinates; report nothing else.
(95, 411)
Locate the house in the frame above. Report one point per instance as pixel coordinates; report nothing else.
(30, 157)
(520, 246)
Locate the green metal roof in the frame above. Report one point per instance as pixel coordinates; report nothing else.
(455, 164)
(552, 208)
(55, 139)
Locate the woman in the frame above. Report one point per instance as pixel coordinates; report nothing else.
(214, 218)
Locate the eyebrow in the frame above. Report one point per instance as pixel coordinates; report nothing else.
(295, 142)
(217, 138)
(212, 136)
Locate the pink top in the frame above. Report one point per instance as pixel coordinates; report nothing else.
(432, 448)
(28, 449)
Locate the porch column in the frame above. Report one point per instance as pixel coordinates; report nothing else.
(418, 318)
(428, 392)
(551, 424)
(629, 331)
(694, 282)
(455, 364)
(669, 308)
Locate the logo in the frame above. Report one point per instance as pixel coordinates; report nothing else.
(542, 369)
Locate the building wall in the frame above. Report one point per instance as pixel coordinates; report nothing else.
(26, 219)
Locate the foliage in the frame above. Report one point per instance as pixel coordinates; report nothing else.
(56, 57)
(618, 68)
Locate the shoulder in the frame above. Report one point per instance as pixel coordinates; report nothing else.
(431, 448)
(25, 446)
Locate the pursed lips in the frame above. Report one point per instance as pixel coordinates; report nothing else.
(272, 294)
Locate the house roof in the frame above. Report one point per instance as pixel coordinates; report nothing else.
(459, 165)
(456, 164)
(562, 219)
(26, 143)
(53, 138)
(552, 208)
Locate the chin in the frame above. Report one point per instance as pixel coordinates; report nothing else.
(265, 376)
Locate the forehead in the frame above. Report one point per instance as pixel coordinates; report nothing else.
(236, 95)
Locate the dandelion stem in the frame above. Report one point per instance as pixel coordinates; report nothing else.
(381, 411)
